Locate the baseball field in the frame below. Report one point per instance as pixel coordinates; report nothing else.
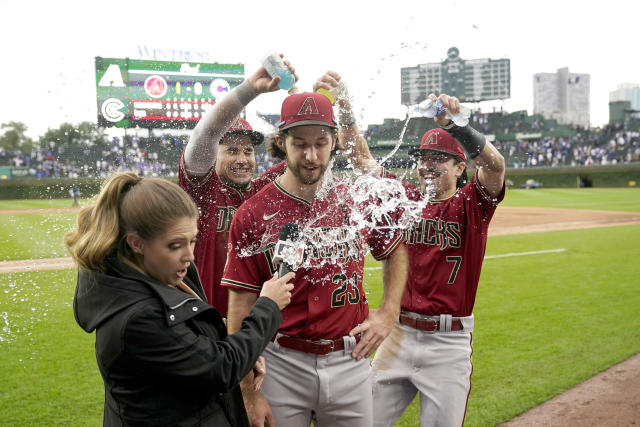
(557, 303)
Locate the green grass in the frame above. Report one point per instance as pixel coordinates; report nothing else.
(37, 204)
(27, 236)
(612, 199)
(544, 323)
(48, 370)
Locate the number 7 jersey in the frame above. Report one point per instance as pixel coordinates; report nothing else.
(446, 248)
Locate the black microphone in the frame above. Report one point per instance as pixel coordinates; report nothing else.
(288, 254)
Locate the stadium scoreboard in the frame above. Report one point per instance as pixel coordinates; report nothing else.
(468, 80)
(160, 94)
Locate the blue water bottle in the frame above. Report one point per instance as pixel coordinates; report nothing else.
(275, 67)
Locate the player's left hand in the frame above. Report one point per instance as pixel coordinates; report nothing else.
(451, 103)
(259, 372)
(374, 330)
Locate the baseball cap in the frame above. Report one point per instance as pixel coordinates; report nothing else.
(242, 127)
(441, 141)
(306, 108)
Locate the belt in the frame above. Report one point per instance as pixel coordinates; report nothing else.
(428, 325)
(314, 347)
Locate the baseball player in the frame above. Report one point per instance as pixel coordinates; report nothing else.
(318, 366)
(429, 349)
(216, 169)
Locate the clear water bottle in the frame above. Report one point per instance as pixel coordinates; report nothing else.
(275, 67)
(335, 92)
(430, 109)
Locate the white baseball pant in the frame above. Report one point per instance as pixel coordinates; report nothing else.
(435, 364)
(332, 389)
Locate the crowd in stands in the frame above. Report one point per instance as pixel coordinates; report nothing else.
(523, 146)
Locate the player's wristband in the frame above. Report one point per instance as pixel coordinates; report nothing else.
(470, 139)
(347, 119)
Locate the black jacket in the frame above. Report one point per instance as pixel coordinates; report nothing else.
(164, 355)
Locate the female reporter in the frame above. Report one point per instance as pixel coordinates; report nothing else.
(163, 352)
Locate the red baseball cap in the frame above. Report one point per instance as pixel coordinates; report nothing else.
(242, 127)
(307, 108)
(441, 141)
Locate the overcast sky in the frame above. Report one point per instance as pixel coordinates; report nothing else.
(48, 52)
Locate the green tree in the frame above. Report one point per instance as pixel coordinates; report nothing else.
(14, 138)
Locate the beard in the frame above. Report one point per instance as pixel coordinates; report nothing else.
(306, 179)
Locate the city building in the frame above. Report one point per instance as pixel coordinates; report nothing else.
(563, 96)
(624, 101)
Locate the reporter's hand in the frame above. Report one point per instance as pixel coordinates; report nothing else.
(262, 82)
(278, 289)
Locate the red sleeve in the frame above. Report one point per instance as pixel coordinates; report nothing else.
(270, 175)
(481, 205)
(242, 270)
(200, 188)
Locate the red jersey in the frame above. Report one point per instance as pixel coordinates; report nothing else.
(328, 298)
(217, 204)
(446, 249)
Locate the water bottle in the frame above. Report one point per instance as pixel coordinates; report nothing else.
(275, 67)
(428, 108)
(335, 92)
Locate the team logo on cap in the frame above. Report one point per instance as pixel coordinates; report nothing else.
(432, 139)
(240, 124)
(309, 106)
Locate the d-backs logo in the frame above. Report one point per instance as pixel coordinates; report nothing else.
(432, 139)
(225, 215)
(434, 232)
(326, 244)
(309, 106)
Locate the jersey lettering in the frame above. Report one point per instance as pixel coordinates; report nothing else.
(435, 233)
(225, 215)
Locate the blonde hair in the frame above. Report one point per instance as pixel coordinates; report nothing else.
(126, 204)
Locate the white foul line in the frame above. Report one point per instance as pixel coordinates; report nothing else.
(546, 251)
(525, 253)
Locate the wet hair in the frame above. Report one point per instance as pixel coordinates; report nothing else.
(126, 204)
(275, 151)
(462, 179)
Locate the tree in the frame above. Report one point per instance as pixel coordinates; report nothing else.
(14, 138)
(74, 137)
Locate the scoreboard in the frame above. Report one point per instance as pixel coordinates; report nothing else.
(160, 94)
(469, 80)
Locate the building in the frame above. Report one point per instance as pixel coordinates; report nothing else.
(562, 96)
(628, 95)
(469, 80)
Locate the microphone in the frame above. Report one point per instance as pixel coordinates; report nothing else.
(289, 254)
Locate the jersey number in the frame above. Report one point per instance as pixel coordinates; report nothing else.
(347, 290)
(457, 260)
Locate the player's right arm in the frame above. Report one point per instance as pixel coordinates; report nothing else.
(489, 161)
(354, 145)
(202, 148)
